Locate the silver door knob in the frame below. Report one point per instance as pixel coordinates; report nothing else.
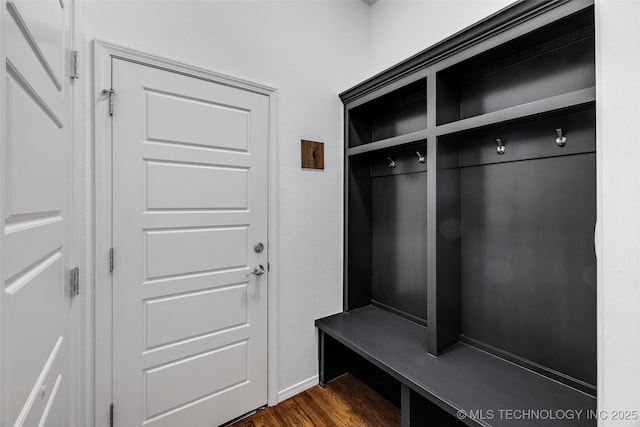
(258, 270)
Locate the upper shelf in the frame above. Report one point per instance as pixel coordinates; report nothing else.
(558, 102)
(388, 143)
(396, 114)
(530, 73)
(555, 103)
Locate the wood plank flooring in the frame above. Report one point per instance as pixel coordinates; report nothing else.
(346, 402)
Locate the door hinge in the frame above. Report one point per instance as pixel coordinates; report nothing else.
(74, 64)
(268, 266)
(111, 94)
(111, 415)
(74, 282)
(111, 260)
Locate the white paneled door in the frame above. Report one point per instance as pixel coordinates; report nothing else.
(189, 283)
(36, 340)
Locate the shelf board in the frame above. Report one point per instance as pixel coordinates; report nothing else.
(559, 102)
(463, 378)
(388, 143)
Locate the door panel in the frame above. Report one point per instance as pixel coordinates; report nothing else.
(35, 203)
(24, 66)
(180, 251)
(163, 194)
(174, 384)
(32, 192)
(187, 120)
(189, 203)
(39, 346)
(43, 25)
(29, 241)
(201, 312)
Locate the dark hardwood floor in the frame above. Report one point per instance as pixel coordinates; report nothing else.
(346, 402)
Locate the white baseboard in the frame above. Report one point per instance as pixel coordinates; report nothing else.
(297, 388)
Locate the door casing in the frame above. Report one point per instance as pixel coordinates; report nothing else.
(103, 53)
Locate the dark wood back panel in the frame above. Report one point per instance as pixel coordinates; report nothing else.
(528, 266)
(399, 251)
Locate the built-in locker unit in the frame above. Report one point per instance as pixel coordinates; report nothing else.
(470, 213)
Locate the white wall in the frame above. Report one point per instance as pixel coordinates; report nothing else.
(618, 100)
(401, 28)
(310, 50)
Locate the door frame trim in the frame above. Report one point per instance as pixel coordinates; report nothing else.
(103, 54)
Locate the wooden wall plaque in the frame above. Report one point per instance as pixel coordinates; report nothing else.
(312, 154)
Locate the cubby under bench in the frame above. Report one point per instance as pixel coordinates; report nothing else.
(462, 386)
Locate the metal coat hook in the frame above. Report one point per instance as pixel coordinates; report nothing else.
(501, 148)
(561, 139)
(421, 158)
(392, 164)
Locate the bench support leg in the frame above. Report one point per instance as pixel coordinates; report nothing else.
(405, 406)
(334, 359)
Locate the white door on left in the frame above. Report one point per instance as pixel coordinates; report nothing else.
(36, 344)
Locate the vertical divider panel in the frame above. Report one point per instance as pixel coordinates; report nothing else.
(432, 150)
(345, 211)
(346, 184)
(446, 236)
(358, 274)
(443, 311)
